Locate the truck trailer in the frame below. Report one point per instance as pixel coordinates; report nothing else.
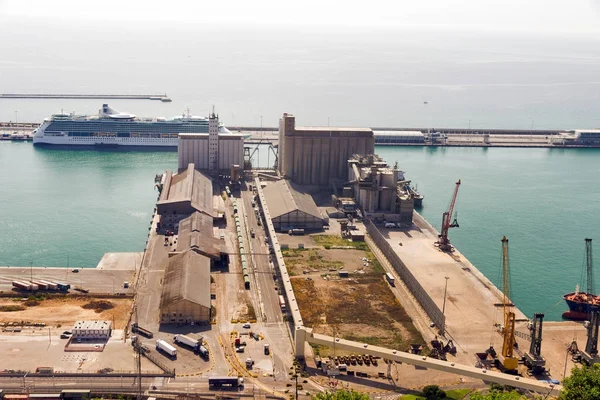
(135, 328)
(50, 285)
(41, 285)
(218, 381)
(22, 285)
(187, 341)
(165, 347)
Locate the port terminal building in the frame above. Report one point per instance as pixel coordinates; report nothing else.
(318, 155)
(290, 207)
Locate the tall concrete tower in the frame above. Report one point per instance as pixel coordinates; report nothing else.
(285, 153)
(213, 143)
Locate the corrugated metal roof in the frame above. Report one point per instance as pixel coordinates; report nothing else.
(189, 185)
(187, 277)
(284, 197)
(196, 233)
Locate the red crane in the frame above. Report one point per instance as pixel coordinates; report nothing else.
(447, 223)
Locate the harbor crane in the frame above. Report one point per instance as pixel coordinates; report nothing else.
(533, 359)
(589, 356)
(508, 363)
(447, 222)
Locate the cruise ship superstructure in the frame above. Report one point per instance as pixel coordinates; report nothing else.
(114, 129)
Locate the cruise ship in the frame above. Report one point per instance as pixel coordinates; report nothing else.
(111, 128)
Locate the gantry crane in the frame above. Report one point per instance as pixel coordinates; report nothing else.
(447, 222)
(509, 361)
(533, 359)
(590, 355)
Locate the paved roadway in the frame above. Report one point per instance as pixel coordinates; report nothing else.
(275, 330)
(92, 279)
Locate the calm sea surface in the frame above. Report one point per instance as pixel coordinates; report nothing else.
(59, 206)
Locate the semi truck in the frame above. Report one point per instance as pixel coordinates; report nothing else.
(63, 287)
(203, 352)
(188, 341)
(218, 381)
(135, 328)
(165, 347)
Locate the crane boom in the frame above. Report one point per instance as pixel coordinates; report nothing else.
(447, 222)
(510, 362)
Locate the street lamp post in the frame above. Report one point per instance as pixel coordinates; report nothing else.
(444, 306)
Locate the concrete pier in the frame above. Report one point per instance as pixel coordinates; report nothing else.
(161, 97)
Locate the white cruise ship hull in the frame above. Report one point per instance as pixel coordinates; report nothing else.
(104, 142)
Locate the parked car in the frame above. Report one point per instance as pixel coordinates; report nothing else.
(63, 336)
(246, 325)
(75, 270)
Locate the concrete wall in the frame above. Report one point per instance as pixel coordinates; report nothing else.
(407, 277)
(195, 149)
(231, 151)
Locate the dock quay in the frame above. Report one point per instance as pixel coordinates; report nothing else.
(161, 97)
(108, 278)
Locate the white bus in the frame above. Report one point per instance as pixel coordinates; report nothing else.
(282, 303)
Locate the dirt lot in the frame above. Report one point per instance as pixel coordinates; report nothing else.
(65, 311)
(360, 307)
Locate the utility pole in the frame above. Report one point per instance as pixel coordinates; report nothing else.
(31, 270)
(444, 306)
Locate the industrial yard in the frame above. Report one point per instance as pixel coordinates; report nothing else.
(342, 292)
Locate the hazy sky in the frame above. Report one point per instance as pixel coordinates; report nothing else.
(545, 16)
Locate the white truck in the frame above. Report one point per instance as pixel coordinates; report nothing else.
(187, 341)
(165, 347)
(203, 352)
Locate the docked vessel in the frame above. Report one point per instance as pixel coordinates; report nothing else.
(111, 129)
(581, 304)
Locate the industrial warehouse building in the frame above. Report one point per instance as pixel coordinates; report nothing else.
(319, 155)
(185, 295)
(196, 234)
(213, 152)
(92, 330)
(183, 194)
(291, 208)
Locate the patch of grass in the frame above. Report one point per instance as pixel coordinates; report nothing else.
(251, 311)
(374, 340)
(31, 303)
(457, 394)
(329, 241)
(11, 308)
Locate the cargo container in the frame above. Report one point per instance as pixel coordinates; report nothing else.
(21, 285)
(218, 381)
(41, 285)
(50, 285)
(188, 341)
(165, 347)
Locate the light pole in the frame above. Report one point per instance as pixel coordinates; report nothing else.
(444, 306)
(31, 270)
(16, 117)
(469, 124)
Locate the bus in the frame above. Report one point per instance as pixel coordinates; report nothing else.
(390, 278)
(282, 303)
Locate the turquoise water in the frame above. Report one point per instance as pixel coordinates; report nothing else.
(73, 205)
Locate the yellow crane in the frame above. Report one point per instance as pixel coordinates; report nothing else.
(509, 362)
